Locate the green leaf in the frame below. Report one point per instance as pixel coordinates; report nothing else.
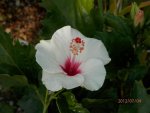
(118, 39)
(147, 37)
(134, 9)
(77, 14)
(119, 47)
(62, 105)
(67, 103)
(147, 41)
(147, 16)
(129, 75)
(98, 16)
(119, 24)
(86, 5)
(46, 4)
(17, 59)
(139, 93)
(113, 6)
(7, 81)
(6, 108)
(55, 22)
(137, 73)
(102, 101)
(31, 102)
(89, 103)
(100, 105)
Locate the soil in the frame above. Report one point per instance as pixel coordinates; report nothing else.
(21, 18)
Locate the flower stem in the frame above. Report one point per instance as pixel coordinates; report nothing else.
(44, 104)
(48, 99)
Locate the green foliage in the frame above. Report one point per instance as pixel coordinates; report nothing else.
(134, 9)
(67, 103)
(6, 108)
(7, 81)
(17, 59)
(100, 105)
(31, 102)
(18, 68)
(140, 106)
(127, 74)
(77, 14)
(119, 24)
(137, 73)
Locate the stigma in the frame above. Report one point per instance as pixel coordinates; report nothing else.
(77, 45)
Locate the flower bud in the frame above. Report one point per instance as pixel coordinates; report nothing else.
(137, 15)
(139, 18)
(134, 9)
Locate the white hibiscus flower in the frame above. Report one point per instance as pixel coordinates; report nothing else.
(70, 60)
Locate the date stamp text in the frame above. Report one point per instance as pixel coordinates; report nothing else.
(128, 100)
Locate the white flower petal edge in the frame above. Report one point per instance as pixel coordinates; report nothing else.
(94, 74)
(45, 56)
(61, 39)
(57, 81)
(93, 48)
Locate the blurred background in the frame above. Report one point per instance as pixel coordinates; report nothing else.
(122, 25)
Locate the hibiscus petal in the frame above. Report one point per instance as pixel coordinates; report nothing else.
(52, 81)
(93, 48)
(61, 39)
(94, 74)
(57, 81)
(45, 56)
(73, 81)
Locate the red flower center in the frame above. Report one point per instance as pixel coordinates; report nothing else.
(71, 67)
(78, 40)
